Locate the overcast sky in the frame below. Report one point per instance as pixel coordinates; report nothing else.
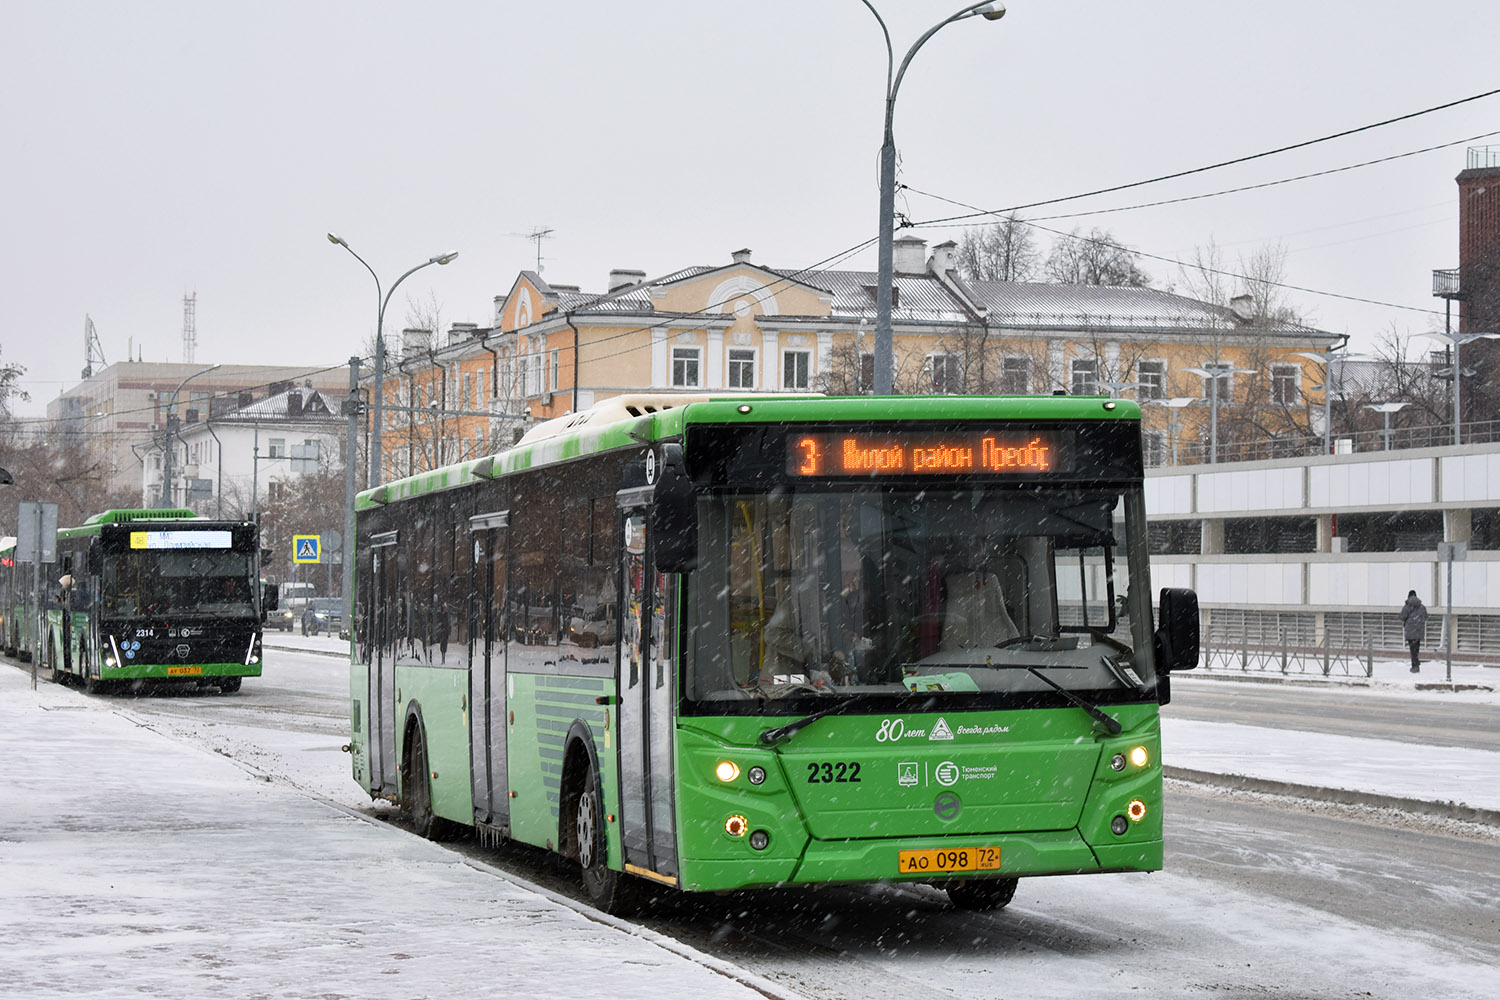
(153, 149)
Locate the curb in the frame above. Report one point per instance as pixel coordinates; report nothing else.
(1340, 796)
(341, 654)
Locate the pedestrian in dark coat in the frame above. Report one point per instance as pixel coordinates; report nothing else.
(1414, 623)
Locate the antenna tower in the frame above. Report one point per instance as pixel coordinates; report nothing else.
(537, 235)
(93, 351)
(189, 327)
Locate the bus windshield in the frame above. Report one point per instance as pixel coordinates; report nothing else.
(177, 581)
(817, 595)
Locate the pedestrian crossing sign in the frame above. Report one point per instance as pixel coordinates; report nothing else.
(306, 548)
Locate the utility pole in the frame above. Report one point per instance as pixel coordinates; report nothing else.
(351, 453)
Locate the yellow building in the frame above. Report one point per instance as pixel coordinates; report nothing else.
(741, 326)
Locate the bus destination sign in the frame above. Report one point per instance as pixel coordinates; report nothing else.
(180, 539)
(927, 453)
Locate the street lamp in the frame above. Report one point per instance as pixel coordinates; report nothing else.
(884, 350)
(1387, 409)
(1115, 388)
(1211, 372)
(1457, 340)
(1173, 405)
(168, 451)
(378, 395)
(1327, 360)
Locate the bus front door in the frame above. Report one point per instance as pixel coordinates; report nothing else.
(487, 694)
(382, 660)
(648, 688)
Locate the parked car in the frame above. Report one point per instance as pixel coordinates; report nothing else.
(324, 614)
(597, 628)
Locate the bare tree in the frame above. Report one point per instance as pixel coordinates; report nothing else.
(1005, 251)
(1094, 259)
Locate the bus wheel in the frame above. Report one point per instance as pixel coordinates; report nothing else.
(416, 791)
(609, 890)
(229, 685)
(982, 894)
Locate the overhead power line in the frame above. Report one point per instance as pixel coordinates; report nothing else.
(1223, 163)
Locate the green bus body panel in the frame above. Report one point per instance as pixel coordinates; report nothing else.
(1035, 783)
(359, 724)
(545, 706)
(441, 694)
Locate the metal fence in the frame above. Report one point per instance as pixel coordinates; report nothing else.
(1159, 454)
(1338, 644)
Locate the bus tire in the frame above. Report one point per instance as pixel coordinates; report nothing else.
(982, 894)
(229, 685)
(416, 790)
(611, 891)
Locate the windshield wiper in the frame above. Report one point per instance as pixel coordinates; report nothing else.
(779, 733)
(1110, 723)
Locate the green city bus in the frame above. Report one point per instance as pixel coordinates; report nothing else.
(12, 601)
(154, 595)
(719, 643)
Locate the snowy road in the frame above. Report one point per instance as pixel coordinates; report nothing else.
(1262, 897)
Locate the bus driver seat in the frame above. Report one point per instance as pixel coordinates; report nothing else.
(974, 613)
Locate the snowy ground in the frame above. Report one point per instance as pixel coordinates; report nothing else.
(133, 861)
(136, 865)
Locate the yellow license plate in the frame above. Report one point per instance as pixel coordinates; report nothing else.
(184, 671)
(948, 859)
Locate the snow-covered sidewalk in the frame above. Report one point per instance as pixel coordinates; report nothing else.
(133, 864)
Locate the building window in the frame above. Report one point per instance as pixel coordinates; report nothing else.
(277, 448)
(866, 374)
(467, 398)
(741, 369)
(1015, 376)
(1152, 376)
(944, 373)
(1154, 448)
(795, 369)
(1085, 377)
(556, 370)
(685, 366)
(1286, 384)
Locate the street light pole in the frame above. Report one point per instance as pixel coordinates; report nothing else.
(169, 451)
(1327, 360)
(1173, 405)
(1387, 409)
(1211, 372)
(884, 348)
(1457, 341)
(377, 394)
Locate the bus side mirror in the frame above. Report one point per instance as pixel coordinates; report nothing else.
(68, 565)
(1177, 631)
(270, 597)
(674, 516)
(96, 558)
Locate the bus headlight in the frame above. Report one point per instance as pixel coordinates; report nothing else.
(1138, 756)
(1136, 810)
(757, 775)
(735, 826)
(727, 770)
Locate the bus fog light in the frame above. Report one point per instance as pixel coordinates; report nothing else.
(760, 840)
(1118, 826)
(1138, 756)
(735, 826)
(1117, 762)
(757, 775)
(727, 770)
(1136, 810)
